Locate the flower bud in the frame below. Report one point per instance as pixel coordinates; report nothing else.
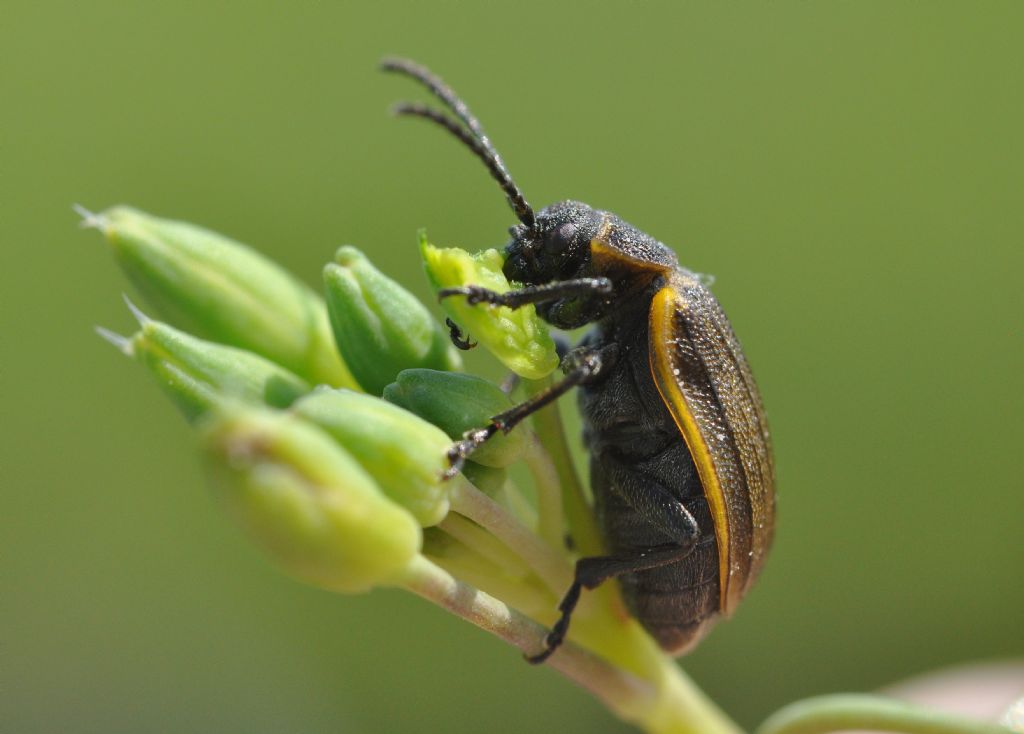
(199, 375)
(518, 338)
(404, 454)
(222, 290)
(307, 501)
(379, 327)
(457, 403)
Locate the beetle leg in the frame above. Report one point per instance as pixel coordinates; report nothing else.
(579, 365)
(591, 573)
(532, 293)
(455, 334)
(660, 508)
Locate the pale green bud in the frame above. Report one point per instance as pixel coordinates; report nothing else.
(379, 327)
(307, 502)
(405, 455)
(518, 338)
(199, 375)
(222, 290)
(457, 403)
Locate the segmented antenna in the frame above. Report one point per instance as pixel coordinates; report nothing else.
(470, 133)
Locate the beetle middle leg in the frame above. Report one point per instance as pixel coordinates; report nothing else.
(579, 365)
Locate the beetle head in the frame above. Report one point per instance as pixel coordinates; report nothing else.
(557, 247)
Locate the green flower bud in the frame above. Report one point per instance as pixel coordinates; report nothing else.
(307, 501)
(518, 338)
(403, 453)
(380, 328)
(199, 375)
(219, 289)
(457, 403)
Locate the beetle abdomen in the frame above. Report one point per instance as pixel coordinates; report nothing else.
(675, 603)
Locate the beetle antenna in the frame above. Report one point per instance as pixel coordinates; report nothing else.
(470, 132)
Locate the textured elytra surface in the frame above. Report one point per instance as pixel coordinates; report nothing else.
(709, 389)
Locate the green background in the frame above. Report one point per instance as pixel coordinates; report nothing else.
(850, 172)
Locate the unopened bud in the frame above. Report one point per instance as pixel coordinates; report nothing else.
(380, 328)
(199, 375)
(222, 290)
(404, 454)
(457, 403)
(307, 502)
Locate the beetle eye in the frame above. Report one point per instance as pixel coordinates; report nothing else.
(563, 237)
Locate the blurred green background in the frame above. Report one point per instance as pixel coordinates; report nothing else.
(850, 172)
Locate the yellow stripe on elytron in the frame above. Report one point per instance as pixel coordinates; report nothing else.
(662, 308)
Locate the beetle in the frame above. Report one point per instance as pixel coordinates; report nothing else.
(681, 463)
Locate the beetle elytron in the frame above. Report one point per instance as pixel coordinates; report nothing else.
(680, 458)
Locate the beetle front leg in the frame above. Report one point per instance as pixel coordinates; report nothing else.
(531, 294)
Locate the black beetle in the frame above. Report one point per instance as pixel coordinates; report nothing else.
(681, 464)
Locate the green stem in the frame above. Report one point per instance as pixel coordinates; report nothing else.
(550, 514)
(679, 705)
(528, 596)
(547, 424)
(852, 711)
(620, 691)
(469, 501)
(484, 544)
(661, 699)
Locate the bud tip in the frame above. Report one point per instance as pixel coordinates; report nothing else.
(142, 318)
(122, 343)
(90, 220)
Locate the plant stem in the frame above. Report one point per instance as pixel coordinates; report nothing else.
(853, 711)
(469, 501)
(547, 423)
(661, 699)
(550, 514)
(479, 540)
(620, 691)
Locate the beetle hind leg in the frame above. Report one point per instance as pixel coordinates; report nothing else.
(591, 573)
(654, 504)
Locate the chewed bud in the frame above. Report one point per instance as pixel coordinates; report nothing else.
(222, 290)
(379, 327)
(404, 454)
(307, 502)
(199, 375)
(518, 338)
(457, 403)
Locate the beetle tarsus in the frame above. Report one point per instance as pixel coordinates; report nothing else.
(461, 450)
(554, 639)
(455, 334)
